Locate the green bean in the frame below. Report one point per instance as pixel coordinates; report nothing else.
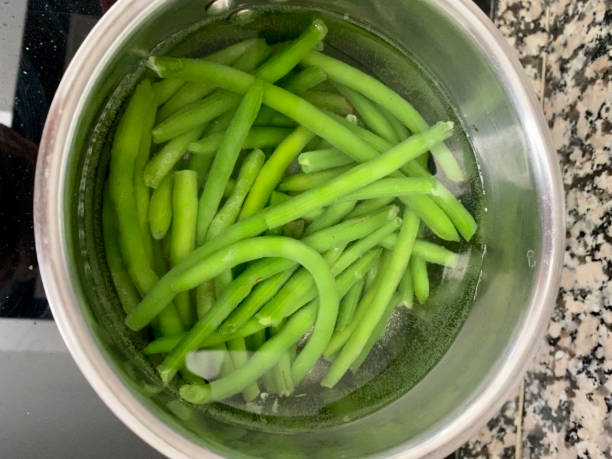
(241, 287)
(226, 259)
(299, 291)
(262, 361)
(246, 62)
(273, 170)
(228, 214)
(319, 160)
(326, 85)
(221, 124)
(348, 305)
(308, 357)
(282, 371)
(160, 208)
(200, 164)
(276, 197)
(369, 206)
(226, 157)
(433, 216)
(375, 141)
(165, 89)
(340, 337)
(230, 186)
(162, 345)
(461, 218)
(332, 215)
(276, 98)
(304, 80)
(372, 275)
(372, 279)
(430, 212)
(285, 59)
(330, 101)
(420, 279)
(282, 375)
(271, 68)
(189, 377)
(160, 256)
(258, 297)
(197, 114)
(408, 150)
(194, 91)
(351, 230)
(168, 322)
(398, 261)
(241, 252)
(141, 190)
(359, 81)
(278, 120)
(258, 137)
(304, 182)
(333, 254)
(250, 329)
(433, 253)
(280, 214)
(222, 281)
(256, 340)
(378, 333)
(428, 251)
(423, 161)
(251, 60)
(238, 353)
(299, 286)
(319, 144)
(124, 152)
(362, 246)
(401, 131)
(391, 187)
(406, 289)
(182, 235)
(325, 126)
(205, 298)
(370, 114)
(227, 364)
(269, 382)
(323, 240)
(127, 293)
(270, 118)
(163, 162)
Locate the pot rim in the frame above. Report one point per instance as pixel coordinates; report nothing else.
(95, 52)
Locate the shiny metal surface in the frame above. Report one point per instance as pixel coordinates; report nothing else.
(523, 229)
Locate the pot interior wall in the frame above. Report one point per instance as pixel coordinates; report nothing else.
(508, 217)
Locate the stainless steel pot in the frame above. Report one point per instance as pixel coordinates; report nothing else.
(523, 230)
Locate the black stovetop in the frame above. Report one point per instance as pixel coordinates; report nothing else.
(52, 32)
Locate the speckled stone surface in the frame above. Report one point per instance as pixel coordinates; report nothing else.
(563, 407)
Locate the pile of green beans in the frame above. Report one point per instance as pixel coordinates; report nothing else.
(293, 229)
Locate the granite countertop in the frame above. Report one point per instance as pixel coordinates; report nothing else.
(563, 407)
